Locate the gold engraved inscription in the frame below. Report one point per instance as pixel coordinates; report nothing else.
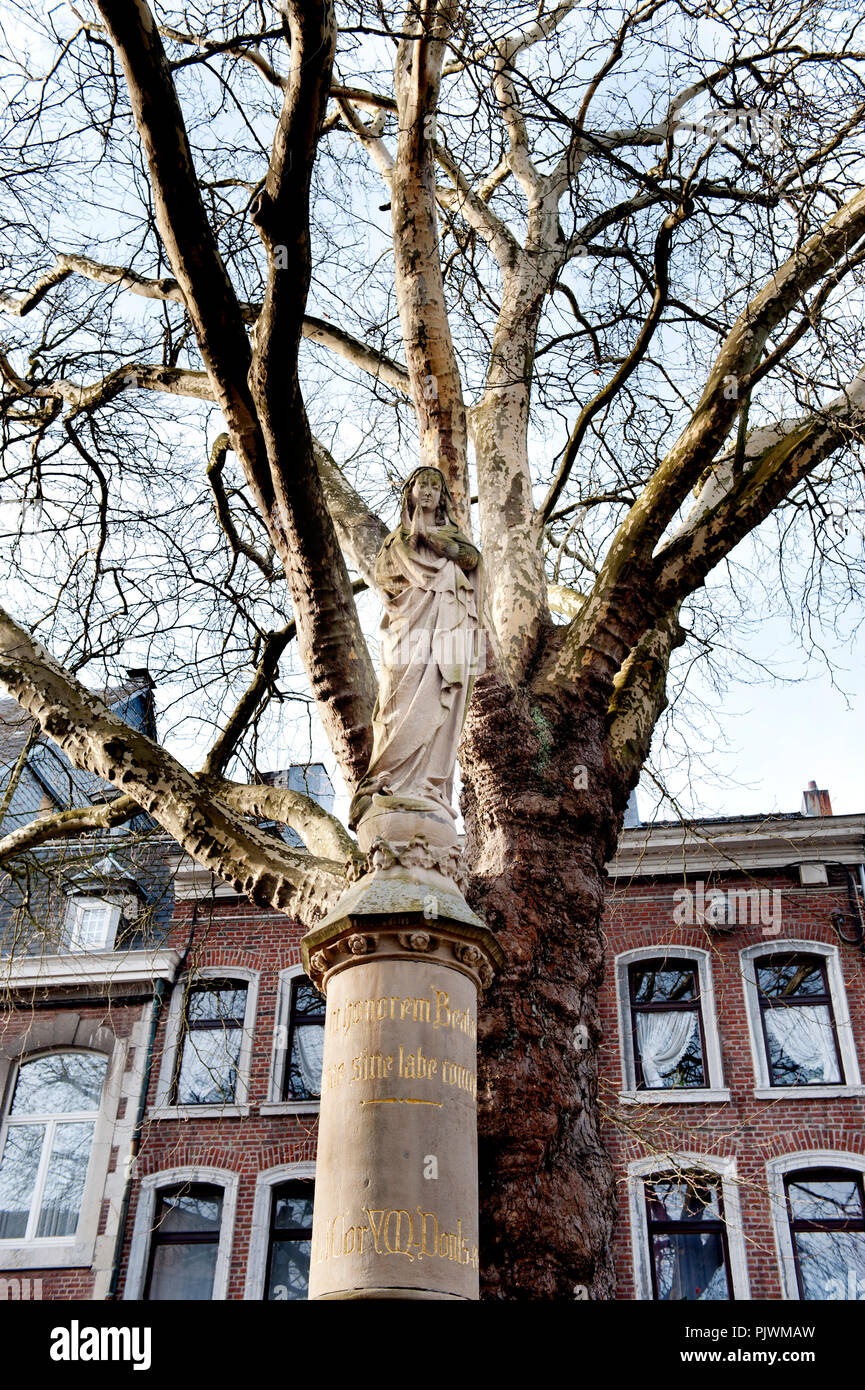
(434, 1008)
(406, 1066)
(415, 1235)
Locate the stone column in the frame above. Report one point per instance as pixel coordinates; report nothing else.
(401, 962)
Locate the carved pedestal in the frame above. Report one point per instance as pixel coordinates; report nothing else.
(401, 961)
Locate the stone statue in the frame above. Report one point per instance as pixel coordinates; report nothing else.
(428, 574)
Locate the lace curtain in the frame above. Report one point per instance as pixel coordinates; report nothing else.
(804, 1033)
(663, 1040)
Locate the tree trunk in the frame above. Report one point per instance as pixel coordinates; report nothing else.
(537, 842)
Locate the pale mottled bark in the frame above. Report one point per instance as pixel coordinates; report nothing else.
(62, 825)
(430, 358)
(621, 604)
(212, 832)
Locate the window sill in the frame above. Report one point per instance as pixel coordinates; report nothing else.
(46, 1254)
(198, 1112)
(703, 1096)
(290, 1107)
(806, 1092)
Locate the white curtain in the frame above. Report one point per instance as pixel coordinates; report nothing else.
(663, 1040)
(804, 1033)
(309, 1052)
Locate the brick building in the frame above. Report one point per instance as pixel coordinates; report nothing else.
(733, 1015)
(159, 1087)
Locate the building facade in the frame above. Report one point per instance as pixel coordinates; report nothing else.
(160, 1087)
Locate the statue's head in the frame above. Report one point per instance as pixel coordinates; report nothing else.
(427, 488)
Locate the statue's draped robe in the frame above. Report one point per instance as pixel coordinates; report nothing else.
(429, 654)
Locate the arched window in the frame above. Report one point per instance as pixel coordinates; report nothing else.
(667, 1025)
(799, 1022)
(46, 1145)
(185, 1242)
(686, 1228)
(290, 1241)
(826, 1212)
(182, 1235)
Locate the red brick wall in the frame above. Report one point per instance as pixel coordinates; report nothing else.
(747, 1129)
(230, 933)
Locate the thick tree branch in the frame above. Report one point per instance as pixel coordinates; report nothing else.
(173, 381)
(330, 639)
(732, 503)
(624, 598)
(215, 835)
(321, 832)
(430, 356)
(640, 696)
(62, 825)
(191, 246)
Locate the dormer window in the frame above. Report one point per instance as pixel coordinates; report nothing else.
(91, 924)
(102, 898)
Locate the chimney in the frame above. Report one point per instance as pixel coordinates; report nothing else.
(815, 802)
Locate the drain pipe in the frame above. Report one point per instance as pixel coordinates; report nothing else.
(135, 1143)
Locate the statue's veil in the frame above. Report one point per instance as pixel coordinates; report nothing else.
(446, 510)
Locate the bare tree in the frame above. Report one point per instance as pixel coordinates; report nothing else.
(619, 303)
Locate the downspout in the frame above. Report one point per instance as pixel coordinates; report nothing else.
(135, 1143)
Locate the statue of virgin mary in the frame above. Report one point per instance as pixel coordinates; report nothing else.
(428, 574)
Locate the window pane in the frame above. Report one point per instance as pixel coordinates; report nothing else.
(292, 1211)
(680, 1199)
(91, 923)
(208, 1069)
(670, 1050)
(64, 1185)
(821, 1199)
(62, 1083)
(197, 1208)
(801, 1045)
(831, 1263)
(289, 1269)
(217, 1002)
(18, 1170)
(790, 979)
(183, 1273)
(663, 984)
(303, 1076)
(306, 1001)
(690, 1266)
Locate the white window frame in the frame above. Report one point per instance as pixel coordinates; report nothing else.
(259, 1236)
(275, 1105)
(776, 1171)
(715, 1091)
(830, 955)
(64, 1252)
(175, 1034)
(652, 1167)
(151, 1186)
(73, 920)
